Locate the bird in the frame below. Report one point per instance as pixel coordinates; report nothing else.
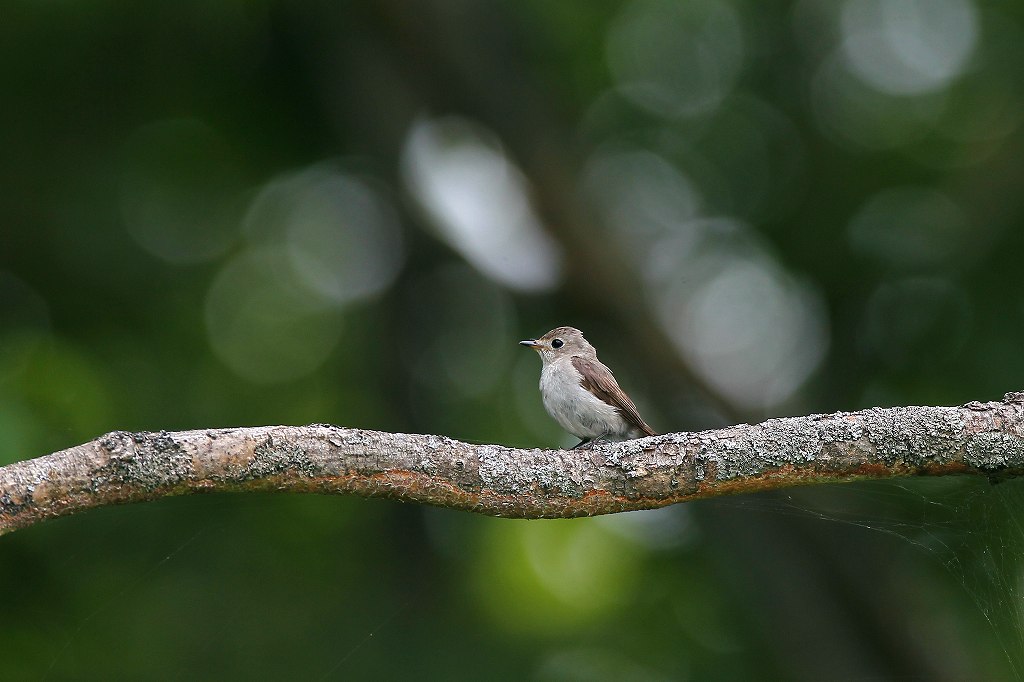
(581, 393)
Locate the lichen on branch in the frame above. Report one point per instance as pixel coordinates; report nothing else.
(120, 467)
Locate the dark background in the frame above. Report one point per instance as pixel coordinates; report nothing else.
(240, 213)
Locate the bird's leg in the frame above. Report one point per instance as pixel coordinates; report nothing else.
(588, 443)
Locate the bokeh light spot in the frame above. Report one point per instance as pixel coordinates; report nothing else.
(341, 235)
(57, 396)
(181, 191)
(859, 116)
(479, 203)
(656, 529)
(909, 47)
(751, 330)
(545, 577)
(343, 241)
(264, 324)
(645, 202)
(676, 59)
(911, 227)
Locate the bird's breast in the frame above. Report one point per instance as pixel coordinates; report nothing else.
(576, 409)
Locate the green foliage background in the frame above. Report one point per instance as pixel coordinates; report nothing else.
(239, 213)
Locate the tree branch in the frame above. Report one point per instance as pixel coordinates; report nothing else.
(121, 467)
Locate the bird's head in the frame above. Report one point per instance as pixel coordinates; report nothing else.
(561, 342)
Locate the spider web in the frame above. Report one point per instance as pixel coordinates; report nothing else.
(966, 526)
(956, 543)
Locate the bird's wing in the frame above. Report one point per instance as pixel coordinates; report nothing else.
(599, 380)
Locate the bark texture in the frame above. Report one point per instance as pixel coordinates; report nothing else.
(121, 467)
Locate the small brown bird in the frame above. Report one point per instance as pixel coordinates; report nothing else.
(581, 393)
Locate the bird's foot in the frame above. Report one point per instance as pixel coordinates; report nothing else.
(589, 443)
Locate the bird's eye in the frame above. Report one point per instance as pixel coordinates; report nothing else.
(557, 343)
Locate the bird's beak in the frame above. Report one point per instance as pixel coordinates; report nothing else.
(532, 343)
